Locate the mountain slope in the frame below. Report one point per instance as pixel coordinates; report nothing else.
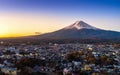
(80, 30)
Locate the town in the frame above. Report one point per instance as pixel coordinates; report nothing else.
(60, 59)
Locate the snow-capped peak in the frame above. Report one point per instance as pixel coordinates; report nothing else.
(80, 25)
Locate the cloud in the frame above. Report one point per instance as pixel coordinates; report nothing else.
(37, 33)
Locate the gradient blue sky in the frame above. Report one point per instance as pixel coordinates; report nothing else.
(25, 17)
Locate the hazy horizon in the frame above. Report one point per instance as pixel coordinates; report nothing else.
(26, 17)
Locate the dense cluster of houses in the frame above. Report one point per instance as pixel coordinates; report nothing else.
(62, 59)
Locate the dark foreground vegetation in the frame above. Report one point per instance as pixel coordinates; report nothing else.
(28, 41)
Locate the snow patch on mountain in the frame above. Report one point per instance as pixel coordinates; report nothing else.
(80, 25)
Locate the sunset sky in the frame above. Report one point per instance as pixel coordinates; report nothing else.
(25, 17)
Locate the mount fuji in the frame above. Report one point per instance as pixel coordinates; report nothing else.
(80, 30)
(80, 25)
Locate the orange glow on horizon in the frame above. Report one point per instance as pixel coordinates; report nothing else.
(16, 25)
(13, 35)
